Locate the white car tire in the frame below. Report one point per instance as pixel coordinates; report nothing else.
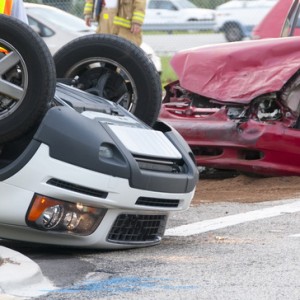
(115, 69)
(27, 78)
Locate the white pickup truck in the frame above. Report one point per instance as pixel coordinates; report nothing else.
(237, 18)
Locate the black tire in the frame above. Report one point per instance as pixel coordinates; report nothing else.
(233, 33)
(27, 78)
(115, 69)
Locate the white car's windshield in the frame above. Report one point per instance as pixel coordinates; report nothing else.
(184, 4)
(59, 18)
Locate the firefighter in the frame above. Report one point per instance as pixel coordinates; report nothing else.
(120, 17)
(14, 8)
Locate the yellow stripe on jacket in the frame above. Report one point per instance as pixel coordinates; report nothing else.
(6, 7)
(138, 17)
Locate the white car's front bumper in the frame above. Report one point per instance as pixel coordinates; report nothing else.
(135, 185)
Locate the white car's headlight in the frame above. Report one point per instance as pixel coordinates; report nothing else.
(61, 216)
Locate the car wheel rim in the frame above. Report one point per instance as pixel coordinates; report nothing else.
(13, 80)
(105, 78)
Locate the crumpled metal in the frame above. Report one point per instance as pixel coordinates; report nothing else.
(239, 71)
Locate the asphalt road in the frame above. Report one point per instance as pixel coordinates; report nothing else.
(170, 43)
(257, 258)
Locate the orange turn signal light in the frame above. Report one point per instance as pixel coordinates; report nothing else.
(39, 205)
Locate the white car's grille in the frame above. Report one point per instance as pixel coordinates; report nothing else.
(76, 188)
(165, 166)
(134, 229)
(157, 202)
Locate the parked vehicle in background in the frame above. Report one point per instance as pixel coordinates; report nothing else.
(175, 11)
(58, 27)
(238, 104)
(272, 24)
(237, 18)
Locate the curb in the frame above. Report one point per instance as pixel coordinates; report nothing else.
(20, 276)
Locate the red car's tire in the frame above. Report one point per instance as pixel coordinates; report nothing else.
(115, 69)
(27, 78)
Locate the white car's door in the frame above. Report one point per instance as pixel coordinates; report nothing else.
(161, 11)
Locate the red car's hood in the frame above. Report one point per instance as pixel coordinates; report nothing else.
(240, 71)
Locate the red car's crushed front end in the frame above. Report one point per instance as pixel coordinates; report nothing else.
(257, 131)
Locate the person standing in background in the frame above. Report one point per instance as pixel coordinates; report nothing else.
(120, 17)
(14, 8)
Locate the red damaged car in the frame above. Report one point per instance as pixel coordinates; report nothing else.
(237, 105)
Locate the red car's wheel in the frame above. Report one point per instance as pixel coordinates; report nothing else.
(115, 69)
(27, 78)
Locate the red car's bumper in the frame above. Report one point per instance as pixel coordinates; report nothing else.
(270, 148)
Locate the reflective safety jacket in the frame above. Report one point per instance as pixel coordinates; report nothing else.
(93, 8)
(129, 11)
(6, 7)
(14, 8)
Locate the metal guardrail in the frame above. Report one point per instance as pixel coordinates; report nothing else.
(186, 26)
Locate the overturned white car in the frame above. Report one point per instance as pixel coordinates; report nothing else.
(75, 168)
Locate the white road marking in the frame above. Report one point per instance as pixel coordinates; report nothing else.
(218, 223)
(295, 235)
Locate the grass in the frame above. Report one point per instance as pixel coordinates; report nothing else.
(168, 75)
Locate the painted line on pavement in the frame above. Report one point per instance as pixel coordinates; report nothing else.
(295, 235)
(218, 223)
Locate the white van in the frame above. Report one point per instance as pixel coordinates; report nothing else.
(175, 11)
(237, 18)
